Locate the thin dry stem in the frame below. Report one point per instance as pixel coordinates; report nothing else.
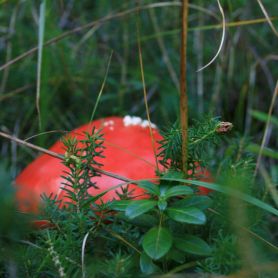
(269, 185)
(59, 156)
(267, 18)
(183, 86)
(39, 64)
(145, 92)
(83, 255)
(87, 26)
(274, 96)
(15, 92)
(222, 38)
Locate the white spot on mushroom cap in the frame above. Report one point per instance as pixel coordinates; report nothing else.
(136, 121)
(108, 123)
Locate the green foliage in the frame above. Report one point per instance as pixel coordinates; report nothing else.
(157, 241)
(225, 258)
(123, 237)
(175, 229)
(81, 162)
(202, 135)
(193, 245)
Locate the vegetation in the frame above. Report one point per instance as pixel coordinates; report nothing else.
(64, 63)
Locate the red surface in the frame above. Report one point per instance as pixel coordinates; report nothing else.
(128, 153)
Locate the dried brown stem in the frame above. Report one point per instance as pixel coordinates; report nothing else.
(183, 86)
(59, 156)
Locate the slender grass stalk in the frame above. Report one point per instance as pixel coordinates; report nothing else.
(267, 18)
(102, 87)
(222, 38)
(100, 22)
(126, 13)
(144, 90)
(56, 155)
(270, 110)
(39, 64)
(83, 255)
(232, 24)
(183, 85)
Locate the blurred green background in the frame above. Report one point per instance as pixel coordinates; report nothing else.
(83, 34)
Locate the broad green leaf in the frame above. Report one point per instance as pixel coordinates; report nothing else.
(138, 207)
(120, 205)
(149, 187)
(193, 245)
(229, 191)
(186, 215)
(176, 255)
(144, 220)
(178, 190)
(200, 202)
(146, 264)
(157, 242)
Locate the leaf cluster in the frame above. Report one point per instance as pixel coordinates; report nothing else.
(168, 206)
(201, 136)
(80, 158)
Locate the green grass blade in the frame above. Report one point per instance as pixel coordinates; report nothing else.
(229, 191)
(39, 64)
(261, 116)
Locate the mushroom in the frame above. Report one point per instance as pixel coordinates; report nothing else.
(128, 152)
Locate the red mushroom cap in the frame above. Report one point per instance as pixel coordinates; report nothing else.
(128, 152)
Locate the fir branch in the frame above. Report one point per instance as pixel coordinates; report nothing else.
(80, 159)
(201, 135)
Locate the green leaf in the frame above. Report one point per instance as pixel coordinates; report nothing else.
(200, 202)
(264, 117)
(157, 242)
(162, 205)
(144, 220)
(120, 205)
(146, 264)
(149, 187)
(178, 190)
(193, 245)
(138, 207)
(255, 148)
(189, 215)
(232, 192)
(176, 255)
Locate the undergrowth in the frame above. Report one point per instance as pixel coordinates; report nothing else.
(220, 217)
(175, 229)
